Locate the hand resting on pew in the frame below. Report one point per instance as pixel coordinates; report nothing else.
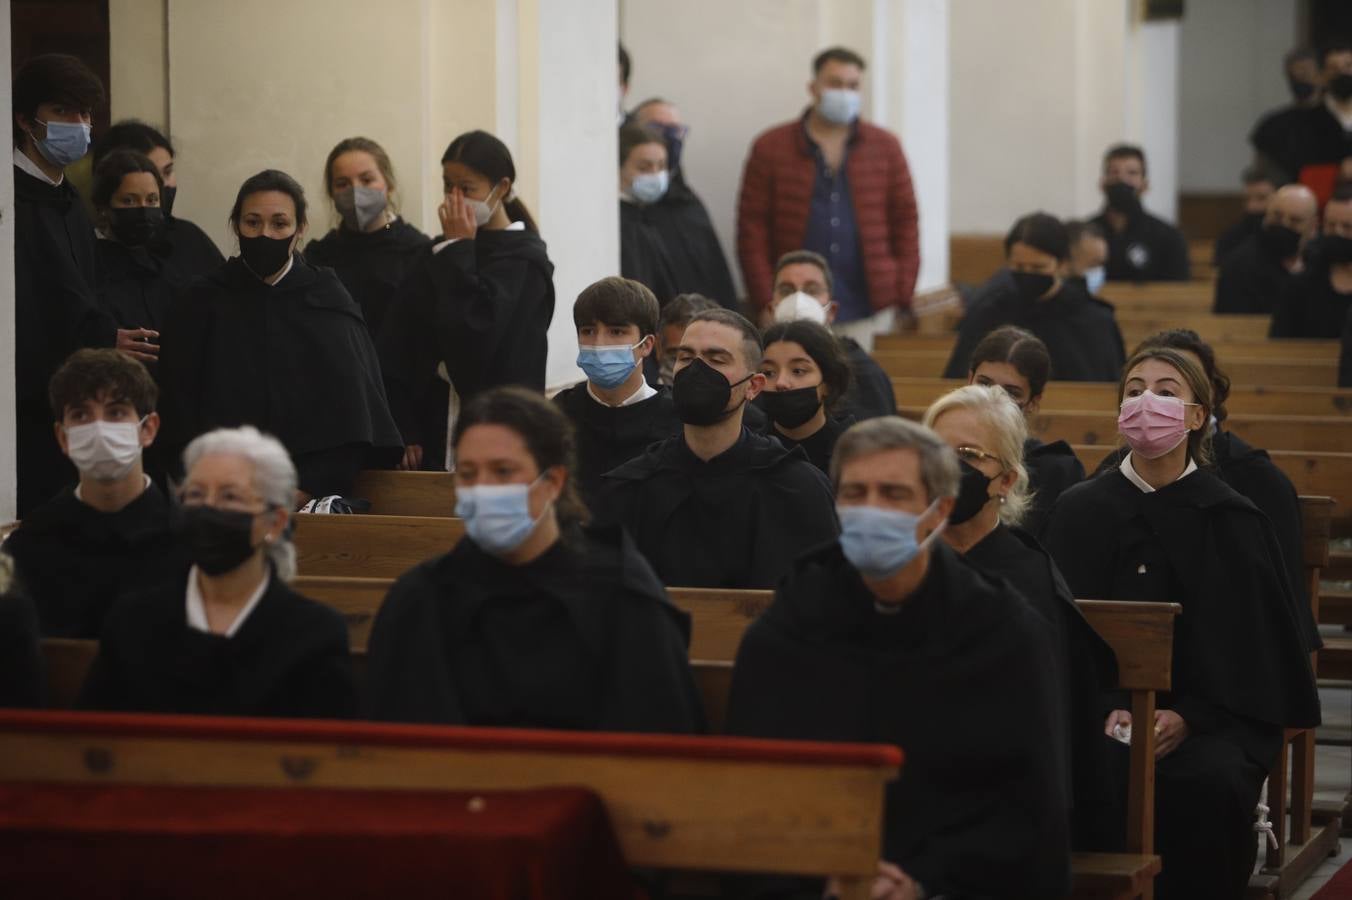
(1170, 729)
(890, 884)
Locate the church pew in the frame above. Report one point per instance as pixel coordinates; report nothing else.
(371, 546)
(394, 493)
(1243, 370)
(675, 802)
(1285, 401)
(1257, 348)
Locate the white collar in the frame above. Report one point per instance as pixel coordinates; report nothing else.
(286, 270)
(1129, 472)
(197, 612)
(644, 392)
(81, 499)
(1344, 118)
(24, 164)
(517, 225)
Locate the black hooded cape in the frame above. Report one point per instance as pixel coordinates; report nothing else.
(1235, 235)
(584, 637)
(1051, 469)
(371, 266)
(819, 446)
(1080, 331)
(608, 437)
(961, 679)
(643, 253)
(135, 285)
(1250, 281)
(686, 232)
(737, 521)
(293, 359)
(870, 393)
(186, 250)
(1309, 307)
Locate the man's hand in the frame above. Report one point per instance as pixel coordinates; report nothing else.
(457, 217)
(1170, 731)
(412, 460)
(137, 342)
(890, 884)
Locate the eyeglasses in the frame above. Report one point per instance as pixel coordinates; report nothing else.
(226, 499)
(975, 455)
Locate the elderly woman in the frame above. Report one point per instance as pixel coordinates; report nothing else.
(987, 432)
(886, 636)
(228, 637)
(1160, 527)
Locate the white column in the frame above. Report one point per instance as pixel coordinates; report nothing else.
(1153, 110)
(8, 482)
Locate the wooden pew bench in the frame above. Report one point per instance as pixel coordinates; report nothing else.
(1244, 370)
(394, 493)
(1260, 348)
(371, 546)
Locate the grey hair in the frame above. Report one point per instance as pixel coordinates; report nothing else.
(274, 477)
(1008, 429)
(938, 463)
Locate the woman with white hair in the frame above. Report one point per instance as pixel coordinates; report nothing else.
(987, 430)
(229, 637)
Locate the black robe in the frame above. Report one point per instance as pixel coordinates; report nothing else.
(1085, 664)
(186, 250)
(1235, 235)
(870, 393)
(1241, 671)
(1276, 138)
(1149, 249)
(643, 253)
(22, 678)
(1315, 139)
(56, 312)
(293, 359)
(76, 562)
(961, 678)
(288, 659)
(687, 234)
(1250, 281)
(1051, 469)
(482, 307)
(736, 521)
(1309, 307)
(1345, 356)
(135, 285)
(608, 437)
(819, 445)
(371, 266)
(584, 637)
(1080, 331)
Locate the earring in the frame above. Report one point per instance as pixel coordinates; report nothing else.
(1003, 498)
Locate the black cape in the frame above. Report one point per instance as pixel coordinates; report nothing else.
(1235, 235)
(186, 251)
(643, 253)
(1250, 281)
(293, 359)
(1085, 666)
(870, 392)
(1309, 307)
(961, 679)
(1251, 473)
(135, 285)
(819, 445)
(1345, 356)
(608, 437)
(371, 266)
(687, 234)
(76, 562)
(583, 637)
(1051, 469)
(482, 307)
(22, 679)
(1080, 331)
(56, 312)
(288, 659)
(1313, 137)
(737, 521)
(1149, 249)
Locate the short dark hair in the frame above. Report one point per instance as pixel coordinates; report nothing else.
(837, 54)
(632, 136)
(807, 257)
(684, 307)
(1040, 231)
(752, 348)
(130, 134)
(625, 66)
(546, 431)
(617, 301)
(824, 348)
(1337, 44)
(1021, 349)
(1191, 341)
(651, 101)
(485, 154)
(1124, 151)
(270, 180)
(1298, 54)
(1257, 173)
(94, 373)
(53, 78)
(1079, 229)
(108, 175)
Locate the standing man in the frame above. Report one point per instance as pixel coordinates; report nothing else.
(1271, 136)
(1321, 135)
(1141, 247)
(838, 186)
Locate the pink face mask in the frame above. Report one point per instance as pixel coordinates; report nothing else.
(1152, 425)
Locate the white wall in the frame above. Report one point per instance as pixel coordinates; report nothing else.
(1230, 74)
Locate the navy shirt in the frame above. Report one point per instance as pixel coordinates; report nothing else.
(832, 232)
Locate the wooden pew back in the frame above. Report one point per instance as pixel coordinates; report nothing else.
(407, 493)
(371, 546)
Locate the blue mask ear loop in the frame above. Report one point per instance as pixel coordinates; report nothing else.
(938, 530)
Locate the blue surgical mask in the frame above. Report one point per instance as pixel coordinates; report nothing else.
(651, 187)
(839, 105)
(497, 516)
(66, 143)
(607, 367)
(881, 542)
(1094, 278)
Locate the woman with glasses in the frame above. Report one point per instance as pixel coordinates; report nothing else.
(227, 636)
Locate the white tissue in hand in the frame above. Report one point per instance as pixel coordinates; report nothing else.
(1122, 733)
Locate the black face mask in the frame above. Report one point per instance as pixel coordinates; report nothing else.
(789, 409)
(1278, 242)
(1123, 198)
(1341, 86)
(973, 493)
(136, 226)
(701, 394)
(1301, 90)
(217, 540)
(167, 199)
(1032, 285)
(264, 255)
(1337, 249)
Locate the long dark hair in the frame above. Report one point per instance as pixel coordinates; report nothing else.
(1019, 348)
(825, 350)
(113, 168)
(490, 158)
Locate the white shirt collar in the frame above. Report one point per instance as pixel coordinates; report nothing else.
(1129, 472)
(81, 499)
(197, 611)
(24, 164)
(286, 270)
(644, 391)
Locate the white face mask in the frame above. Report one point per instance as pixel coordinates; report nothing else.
(482, 210)
(800, 306)
(104, 451)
